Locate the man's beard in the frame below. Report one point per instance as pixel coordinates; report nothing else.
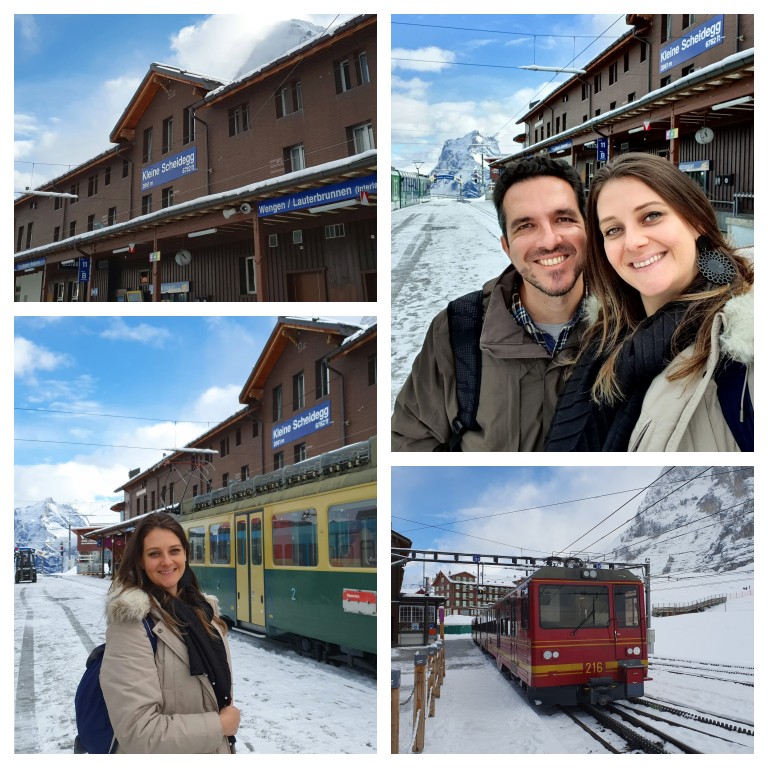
(557, 285)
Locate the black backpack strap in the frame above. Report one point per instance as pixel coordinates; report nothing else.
(735, 400)
(465, 323)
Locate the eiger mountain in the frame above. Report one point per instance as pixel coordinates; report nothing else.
(45, 527)
(693, 520)
(464, 157)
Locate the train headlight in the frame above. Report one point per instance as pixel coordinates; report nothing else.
(589, 573)
(547, 655)
(630, 651)
(637, 651)
(555, 654)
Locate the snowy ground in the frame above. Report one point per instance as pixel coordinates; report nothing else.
(441, 249)
(289, 704)
(479, 711)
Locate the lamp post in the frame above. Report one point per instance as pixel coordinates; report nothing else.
(418, 164)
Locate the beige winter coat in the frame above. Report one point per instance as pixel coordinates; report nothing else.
(518, 385)
(686, 415)
(155, 705)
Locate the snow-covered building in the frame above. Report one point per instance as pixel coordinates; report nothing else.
(463, 595)
(260, 189)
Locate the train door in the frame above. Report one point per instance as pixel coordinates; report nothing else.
(250, 568)
(629, 623)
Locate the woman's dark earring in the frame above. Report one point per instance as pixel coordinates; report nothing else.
(714, 265)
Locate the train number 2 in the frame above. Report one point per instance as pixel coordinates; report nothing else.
(594, 667)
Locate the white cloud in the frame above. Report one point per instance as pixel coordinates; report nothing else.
(429, 59)
(142, 333)
(29, 358)
(217, 404)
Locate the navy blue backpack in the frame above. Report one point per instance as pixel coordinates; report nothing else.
(95, 734)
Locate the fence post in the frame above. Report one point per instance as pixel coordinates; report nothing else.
(419, 685)
(395, 712)
(439, 668)
(432, 653)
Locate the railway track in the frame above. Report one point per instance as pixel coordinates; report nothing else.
(706, 672)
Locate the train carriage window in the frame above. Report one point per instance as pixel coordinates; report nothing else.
(221, 546)
(241, 542)
(626, 606)
(294, 538)
(256, 542)
(196, 545)
(569, 606)
(352, 535)
(524, 608)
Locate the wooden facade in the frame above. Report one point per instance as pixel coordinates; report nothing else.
(305, 365)
(263, 189)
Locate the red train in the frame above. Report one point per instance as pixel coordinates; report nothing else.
(570, 635)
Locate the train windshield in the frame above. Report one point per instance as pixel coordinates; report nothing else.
(626, 604)
(573, 606)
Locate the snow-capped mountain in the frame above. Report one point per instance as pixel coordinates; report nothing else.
(693, 520)
(45, 526)
(282, 37)
(462, 160)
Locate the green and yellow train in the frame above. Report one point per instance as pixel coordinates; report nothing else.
(292, 554)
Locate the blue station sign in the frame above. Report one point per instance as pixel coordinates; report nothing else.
(706, 35)
(83, 269)
(302, 424)
(171, 168)
(333, 193)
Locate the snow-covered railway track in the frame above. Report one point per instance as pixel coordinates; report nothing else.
(707, 673)
(700, 716)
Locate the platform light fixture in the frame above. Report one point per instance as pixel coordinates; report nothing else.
(202, 232)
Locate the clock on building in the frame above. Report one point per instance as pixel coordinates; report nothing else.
(183, 257)
(704, 135)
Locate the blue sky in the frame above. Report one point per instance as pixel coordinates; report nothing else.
(513, 510)
(452, 74)
(155, 383)
(74, 74)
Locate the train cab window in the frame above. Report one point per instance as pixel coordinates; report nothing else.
(352, 535)
(570, 606)
(221, 546)
(626, 606)
(197, 545)
(256, 542)
(294, 538)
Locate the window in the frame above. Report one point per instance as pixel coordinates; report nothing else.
(146, 154)
(277, 402)
(255, 429)
(298, 391)
(294, 158)
(224, 447)
(666, 27)
(322, 379)
(689, 19)
(613, 72)
(20, 238)
(56, 234)
(188, 126)
(29, 235)
(72, 228)
(626, 61)
(298, 99)
(372, 370)
(112, 217)
(89, 228)
(289, 99)
(74, 295)
(167, 197)
(74, 190)
(565, 97)
(341, 74)
(220, 543)
(248, 281)
(573, 606)
(361, 64)
(362, 138)
(564, 116)
(146, 204)
(93, 184)
(58, 203)
(665, 81)
(613, 105)
(597, 82)
(411, 618)
(107, 175)
(352, 535)
(643, 51)
(238, 120)
(688, 70)
(584, 91)
(245, 472)
(241, 551)
(557, 124)
(238, 437)
(626, 606)
(299, 452)
(294, 538)
(279, 461)
(256, 541)
(225, 479)
(334, 230)
(630, 96)
(167, 135)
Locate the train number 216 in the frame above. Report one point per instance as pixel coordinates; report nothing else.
(594, 667)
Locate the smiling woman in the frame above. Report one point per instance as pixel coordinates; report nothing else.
(667, 363)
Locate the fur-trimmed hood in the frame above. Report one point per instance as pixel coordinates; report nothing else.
(132, 604)
(737, 333)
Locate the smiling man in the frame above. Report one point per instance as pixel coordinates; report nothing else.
(489, 371)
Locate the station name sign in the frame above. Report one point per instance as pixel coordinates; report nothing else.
(333, 193)
(302, 424)
(169, 169)
(707, 35)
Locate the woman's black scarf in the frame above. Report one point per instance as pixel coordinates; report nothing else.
(581, 424)
(207, 654)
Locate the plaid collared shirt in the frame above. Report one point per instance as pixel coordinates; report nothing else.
(552, 345)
